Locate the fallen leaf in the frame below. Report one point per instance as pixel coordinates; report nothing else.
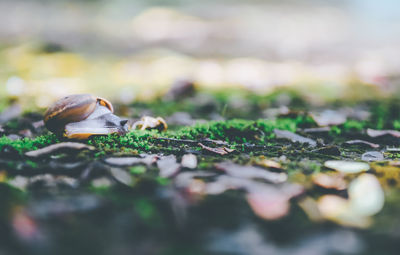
(218, 150)
(294, 137)
(251, 172)
(59, 147)
(347, 166)
(377, 133)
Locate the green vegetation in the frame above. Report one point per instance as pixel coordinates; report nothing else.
(27, 144)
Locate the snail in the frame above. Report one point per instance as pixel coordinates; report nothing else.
(83, 115)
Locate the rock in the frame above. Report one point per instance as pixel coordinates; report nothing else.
(294, 137)
(168, 166)
(58, 148)
(189, 161)
(349, 167)
(251, 172)
(372, 156)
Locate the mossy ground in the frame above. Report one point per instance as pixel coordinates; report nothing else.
(147, 199)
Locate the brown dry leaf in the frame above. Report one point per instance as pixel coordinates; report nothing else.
(251, 172)
(294, 137)
(218, 150)
(330, 181)
(377, 133)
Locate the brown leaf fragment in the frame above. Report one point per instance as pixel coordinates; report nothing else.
(58, 148)
(362, 142)
(218, 150)
(168, 166)
(377, 133)
(251, 172)
(284, 134)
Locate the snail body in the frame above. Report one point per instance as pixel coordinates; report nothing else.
(83, 115)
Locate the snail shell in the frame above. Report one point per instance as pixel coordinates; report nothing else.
(83, 115)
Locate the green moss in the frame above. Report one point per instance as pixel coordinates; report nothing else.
(237, 131)
(27, 144)
(349, 126)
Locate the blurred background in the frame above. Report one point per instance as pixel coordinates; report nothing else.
(134, 50)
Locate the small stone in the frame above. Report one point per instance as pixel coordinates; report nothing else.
(189, 161)
(372, 156)
(349, 167)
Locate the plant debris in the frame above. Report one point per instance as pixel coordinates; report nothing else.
(217, 150)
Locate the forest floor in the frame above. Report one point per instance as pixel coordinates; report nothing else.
(235, 173)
